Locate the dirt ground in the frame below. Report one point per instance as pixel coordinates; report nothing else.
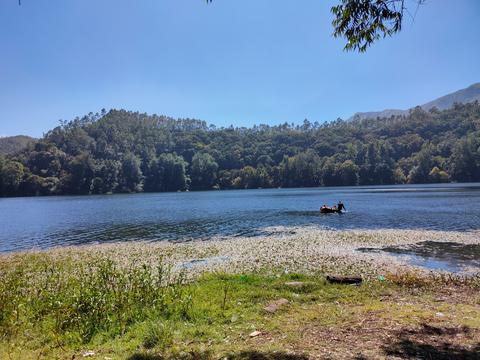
(440, 327)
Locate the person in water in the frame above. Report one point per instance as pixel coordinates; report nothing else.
(340, 206)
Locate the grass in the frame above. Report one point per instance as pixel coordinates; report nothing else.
(63, 307)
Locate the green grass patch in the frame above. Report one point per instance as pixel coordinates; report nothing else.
(51, 308)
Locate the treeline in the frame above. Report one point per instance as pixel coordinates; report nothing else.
(123, 151)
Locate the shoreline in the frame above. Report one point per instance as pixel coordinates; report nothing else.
(223, 299)
(423, 185)
(302, 249)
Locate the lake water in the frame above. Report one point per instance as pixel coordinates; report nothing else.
(44, 222)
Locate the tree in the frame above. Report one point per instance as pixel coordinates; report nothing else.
(2, 164)
(329, 173)
(348, 173)
(106, 176)
(437, 176)
(225, 178)
(45, 160)
(399, 176)
(131, 176)
(203, 171)
(362, 22)
(251, 178)
(31, 185)
(167, 173)
(377, 165)
(78, 179)
(465, 160)
(423, 165)
(302, 169)
(246, 179)
(12, 175)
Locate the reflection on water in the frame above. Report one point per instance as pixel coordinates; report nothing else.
(51, 221)
(449, 256)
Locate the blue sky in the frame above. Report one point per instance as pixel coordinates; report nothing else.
(240, 62)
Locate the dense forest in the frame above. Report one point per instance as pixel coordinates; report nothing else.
(123, 151)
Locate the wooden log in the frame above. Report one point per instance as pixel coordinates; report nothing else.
(339, 279)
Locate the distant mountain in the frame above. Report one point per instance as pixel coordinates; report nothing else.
(463, 96)
(13, 144)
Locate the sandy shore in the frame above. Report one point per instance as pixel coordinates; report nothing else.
(303, 249)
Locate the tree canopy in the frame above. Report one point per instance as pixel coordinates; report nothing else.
(122, 151)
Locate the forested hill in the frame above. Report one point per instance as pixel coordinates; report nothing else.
(122, 151)
(13, 144)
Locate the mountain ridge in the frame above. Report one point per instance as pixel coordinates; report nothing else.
(466, 95)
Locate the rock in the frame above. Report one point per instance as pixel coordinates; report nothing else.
(273, 306)
(439, 314)
(88, 353)
(255, 333)
(339, 279)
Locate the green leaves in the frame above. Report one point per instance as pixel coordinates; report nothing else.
(95, 296)
(362, 22)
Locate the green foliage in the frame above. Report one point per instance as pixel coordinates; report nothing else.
(203, 171)
(363, 22)
(122, 151)
(59, 306)
(465, 159)
(80, 173)
(302, 169)
(158, 334)
(167, 173)
(250, 178)
(436, 175)
(348, 173)
(131, 174)
(12, 175)
(96, 296)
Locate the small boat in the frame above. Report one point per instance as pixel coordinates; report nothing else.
(329, 210)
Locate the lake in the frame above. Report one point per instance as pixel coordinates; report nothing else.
(43, 222)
